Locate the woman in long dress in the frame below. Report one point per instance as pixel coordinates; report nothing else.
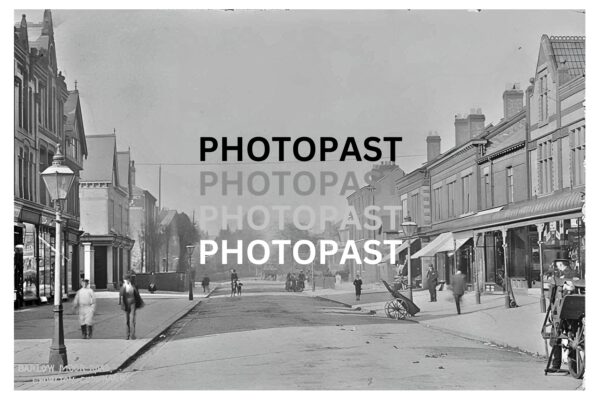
(86, 303)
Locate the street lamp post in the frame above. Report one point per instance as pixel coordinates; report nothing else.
(540, 230)
(409, 228)
(506, 281)
(58, 179)
(191, 275)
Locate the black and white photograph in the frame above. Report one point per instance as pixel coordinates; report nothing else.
(298, 199)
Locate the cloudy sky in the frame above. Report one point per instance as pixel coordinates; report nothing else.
(164, 78)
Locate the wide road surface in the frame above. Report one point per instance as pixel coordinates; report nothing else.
(270, 339)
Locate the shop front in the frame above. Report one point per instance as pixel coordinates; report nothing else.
(34, 244)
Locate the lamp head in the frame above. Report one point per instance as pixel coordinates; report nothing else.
(58, 178)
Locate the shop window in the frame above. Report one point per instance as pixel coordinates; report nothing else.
(30, 275)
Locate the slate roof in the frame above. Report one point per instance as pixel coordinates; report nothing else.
(166, 217)
(98, 166)
(70, 108)
(570, 49)
(123, 159)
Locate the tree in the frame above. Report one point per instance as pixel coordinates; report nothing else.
(188, 233)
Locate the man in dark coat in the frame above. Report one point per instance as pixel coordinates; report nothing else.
(432, 281)
(358, 287)
(458, 288)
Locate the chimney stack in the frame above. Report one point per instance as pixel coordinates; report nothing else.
(469, 127)
(433, 145)
(132, 170)
(513, 100)
(476, 123)
(563, 71)
(461, 129)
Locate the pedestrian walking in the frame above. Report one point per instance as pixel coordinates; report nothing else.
(432, 281)
(85, 303)
(205, 283)
(130, 301)
(458, 288)
(357, 287)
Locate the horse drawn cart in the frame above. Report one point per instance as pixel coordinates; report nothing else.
(400, 306)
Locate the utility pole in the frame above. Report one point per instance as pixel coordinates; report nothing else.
(159, 186)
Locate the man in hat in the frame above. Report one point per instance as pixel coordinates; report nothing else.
(86, 303)
(458, 288)
(130, 301)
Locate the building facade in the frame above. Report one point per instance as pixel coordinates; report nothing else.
(104, 201)
(46, 116)
(142, 227)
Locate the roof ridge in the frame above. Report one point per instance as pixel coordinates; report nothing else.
(567, 38)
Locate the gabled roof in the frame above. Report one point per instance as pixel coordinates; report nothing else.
(72, 110)
(165, 217)
(571, 50)
(101, 163)
(124, 161)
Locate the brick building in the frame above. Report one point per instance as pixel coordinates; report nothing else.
(46, 115)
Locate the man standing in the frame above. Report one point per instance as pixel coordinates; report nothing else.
(205, 283)
(458, 288)
(432, 281)
(86, 302)
(358, 286)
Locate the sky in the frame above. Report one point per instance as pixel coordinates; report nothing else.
(162, 79)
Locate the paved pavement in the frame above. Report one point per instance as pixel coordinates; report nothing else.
(517, 328)
(267, 339)
(108, 350)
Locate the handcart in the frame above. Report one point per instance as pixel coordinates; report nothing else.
(400, 306)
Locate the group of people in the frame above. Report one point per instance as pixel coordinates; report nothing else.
(295, 283)
(130, 301)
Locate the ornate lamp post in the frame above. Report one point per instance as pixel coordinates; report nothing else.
(540, 230)
(191, 274)
(409, 227)
(58, 179)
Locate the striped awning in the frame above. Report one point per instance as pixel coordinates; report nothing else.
(447, 241)
(431, 248)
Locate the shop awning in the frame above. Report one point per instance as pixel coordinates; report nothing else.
(447, 241)
(430, 249)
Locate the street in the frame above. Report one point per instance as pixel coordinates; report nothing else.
(271, 339)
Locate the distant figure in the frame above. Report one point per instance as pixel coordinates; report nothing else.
(432, 281)
(234, 287)
(205, 283)
(85, 301)
(130, 301)
(358, 287)
(288, 282)
(152, 283)
(301, 279)
(239, 288)
(458, 288)
(234, 278)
